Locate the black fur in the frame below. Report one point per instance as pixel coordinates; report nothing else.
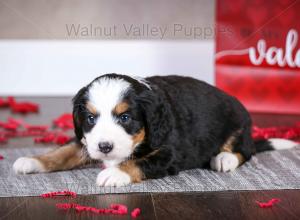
(79, 102)
(263, 145)
(189, 121)
(186, 123)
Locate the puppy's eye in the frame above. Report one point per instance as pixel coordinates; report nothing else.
(91, 120)
(124, 118)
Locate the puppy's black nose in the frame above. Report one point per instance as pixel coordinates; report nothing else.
(105, 147)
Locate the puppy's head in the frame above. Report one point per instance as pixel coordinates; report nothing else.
(108, 117)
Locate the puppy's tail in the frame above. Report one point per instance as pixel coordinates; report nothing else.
(274, 144)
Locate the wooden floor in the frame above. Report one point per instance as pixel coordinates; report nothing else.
(192, 205)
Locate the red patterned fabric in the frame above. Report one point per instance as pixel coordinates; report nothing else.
(258, 55)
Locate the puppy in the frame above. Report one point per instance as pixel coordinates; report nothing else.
(153, 127)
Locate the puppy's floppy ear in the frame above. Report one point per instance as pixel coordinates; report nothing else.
(79, 102)
(157, 117)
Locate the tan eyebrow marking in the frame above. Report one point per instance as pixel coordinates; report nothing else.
(121, 108)
(91, 108)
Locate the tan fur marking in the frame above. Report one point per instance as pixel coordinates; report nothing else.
(63, 158)
(138, 137)
(152, 153)
(132, 170)
(91, 108)
(121, 108)
(130, 167)
(228, 145)
(240, 158)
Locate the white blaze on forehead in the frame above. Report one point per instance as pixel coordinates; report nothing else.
(106, 93)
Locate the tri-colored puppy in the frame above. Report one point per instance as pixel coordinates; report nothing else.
(151, 128)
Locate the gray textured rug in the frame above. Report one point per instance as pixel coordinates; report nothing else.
(268, 170)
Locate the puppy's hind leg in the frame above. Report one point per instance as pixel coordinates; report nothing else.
(237, 149)
(62, 158)
(226, 161)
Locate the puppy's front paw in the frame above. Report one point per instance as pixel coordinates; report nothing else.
(113, 176)
(25, 165)
(224, 162)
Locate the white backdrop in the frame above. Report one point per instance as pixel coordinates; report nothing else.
(62, 67)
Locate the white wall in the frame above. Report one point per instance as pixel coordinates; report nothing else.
(62, 67)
